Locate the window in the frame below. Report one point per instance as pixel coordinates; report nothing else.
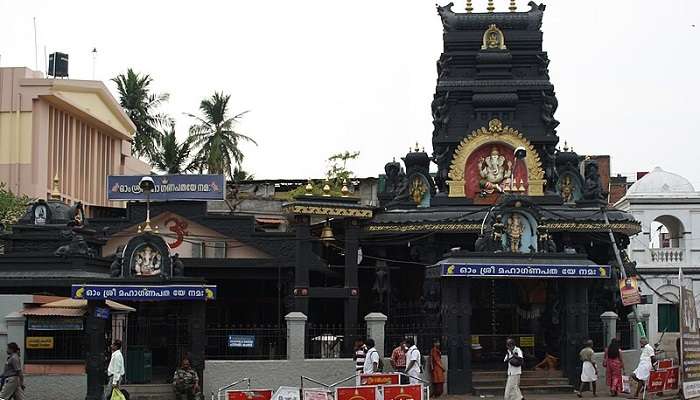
(668, 318)
(216, 250)
(197, 250)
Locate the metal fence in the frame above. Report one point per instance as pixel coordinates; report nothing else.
(64, 346)
(332, 341)
(424, 335)
(246, 342)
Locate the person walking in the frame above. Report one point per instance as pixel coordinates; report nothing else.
(413, 359)
(115, 370)
(514, 359)
(647, 358)
(186, 381)
(614, 367)
(589, 371)
(371, 359)
(437, 371)
(398, 361)
(359, 356)
(12, 375)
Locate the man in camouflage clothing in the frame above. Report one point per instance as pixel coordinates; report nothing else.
(186, 382)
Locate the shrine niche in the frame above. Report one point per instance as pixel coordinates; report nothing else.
(520, 233)
(493, 39)
(485, 164)
(569, 187)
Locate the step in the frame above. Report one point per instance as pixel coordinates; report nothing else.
(544, 389)
(527, 381)
(150, 392)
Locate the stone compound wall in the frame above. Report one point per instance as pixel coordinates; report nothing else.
(55, 387)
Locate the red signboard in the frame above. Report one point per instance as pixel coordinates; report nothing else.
(657, 381)
(672, 379)
(254, 394)
(403, 392)
(356, 393)
(665, 364)
(379, 379)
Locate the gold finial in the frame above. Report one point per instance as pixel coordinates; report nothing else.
(513, 7)
(344, 191)
(55, 191)
(490, 7)
(469, 7)
(309, 188)
(327, 189)
(566, 146)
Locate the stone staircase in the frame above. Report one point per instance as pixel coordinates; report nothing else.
(493, 383)
(150, 392)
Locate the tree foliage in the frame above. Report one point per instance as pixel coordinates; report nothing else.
(338, 171)
(140, 104)
(215, 137)
(173, 157)
(12, 206)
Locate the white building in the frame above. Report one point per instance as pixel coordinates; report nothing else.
(668, 208)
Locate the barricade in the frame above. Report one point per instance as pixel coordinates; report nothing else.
(664, 378)
(372, 387)
(245, 394)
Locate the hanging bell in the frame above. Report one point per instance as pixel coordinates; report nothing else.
(327, 235)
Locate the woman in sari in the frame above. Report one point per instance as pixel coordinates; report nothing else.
(614, 367)
(437, 370)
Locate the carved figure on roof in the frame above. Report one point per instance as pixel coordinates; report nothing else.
(418, 189)
(550, 168)
(549, 107)
(514, 230)
(493, 39)
(393, 171)
(115, 268)
(444, 11)
(148, 262)
(442, 66)
(440, 115)
(536, 7)
(495, 172)
(592, 186)
(566, 188)
(381, 285)
(76, 246)
(442, 157)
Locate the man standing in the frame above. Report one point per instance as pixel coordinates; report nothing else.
(646, 363)
(13, 378)
(371, 359)
(360, 351)
(398, 360)
(115, 370)
(514, 358)
(413, 359)
(186, 381)
(589, 372)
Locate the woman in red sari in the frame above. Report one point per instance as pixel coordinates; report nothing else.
(437, 370)
(614, 367)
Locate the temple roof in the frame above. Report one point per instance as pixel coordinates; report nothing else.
(530, 20)
(659, 182)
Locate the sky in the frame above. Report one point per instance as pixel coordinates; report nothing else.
(324, 77)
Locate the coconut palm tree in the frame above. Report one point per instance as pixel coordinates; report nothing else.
(140, 104)
(172, 157)
(215, 138)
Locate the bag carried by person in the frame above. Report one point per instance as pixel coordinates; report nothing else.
(626, 384)
(117, 395)
(516, 361)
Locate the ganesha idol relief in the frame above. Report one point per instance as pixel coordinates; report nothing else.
(495, 171)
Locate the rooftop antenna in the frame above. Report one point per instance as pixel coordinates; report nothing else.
(36, 49)
(94, 61)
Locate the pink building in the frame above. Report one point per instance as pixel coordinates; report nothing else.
(71, 129)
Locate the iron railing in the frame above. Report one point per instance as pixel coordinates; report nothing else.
(246, 342)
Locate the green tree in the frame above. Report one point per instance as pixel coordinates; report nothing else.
(140, 104)
(240, 175)
(12, 206)
(338, 167)
(215, 138)
(171, 156)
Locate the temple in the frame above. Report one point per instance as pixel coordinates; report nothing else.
(510, 238)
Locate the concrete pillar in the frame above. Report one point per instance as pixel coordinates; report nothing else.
(609, 319)
(15, 328)
(634, 331)
(375, 330)
(296, 335)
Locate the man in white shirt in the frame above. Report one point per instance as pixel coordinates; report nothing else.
(115, 370)
(413, 359)
(513, 383)
(647, 358)
(371, 358)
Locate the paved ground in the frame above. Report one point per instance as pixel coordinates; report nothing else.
(553, 397)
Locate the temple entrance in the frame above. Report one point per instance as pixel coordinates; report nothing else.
(528, 310)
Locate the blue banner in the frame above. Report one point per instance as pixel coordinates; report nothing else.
(102, 312)
(168, 187)
(526, 270)
(143, 292)
(244, 341)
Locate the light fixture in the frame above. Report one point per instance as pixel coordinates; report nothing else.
(147, 185)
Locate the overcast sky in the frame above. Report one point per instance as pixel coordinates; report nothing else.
(325, 76)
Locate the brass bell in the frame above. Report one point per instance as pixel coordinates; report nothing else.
(327, 236)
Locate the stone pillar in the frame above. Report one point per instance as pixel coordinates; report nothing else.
(351, 304)
(609, 319)
(456, 327)
(95, 361)
(301, 267)
(375, 330)
(576, 328)
(198, 337)
(634, 331)
(296, 335)
(15, 328)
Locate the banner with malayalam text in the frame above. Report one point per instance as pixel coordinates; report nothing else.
(143, 292)
(525, 270)
(167, 187)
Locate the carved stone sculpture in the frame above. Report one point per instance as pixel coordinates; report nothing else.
(592, 187)
(514, 230)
